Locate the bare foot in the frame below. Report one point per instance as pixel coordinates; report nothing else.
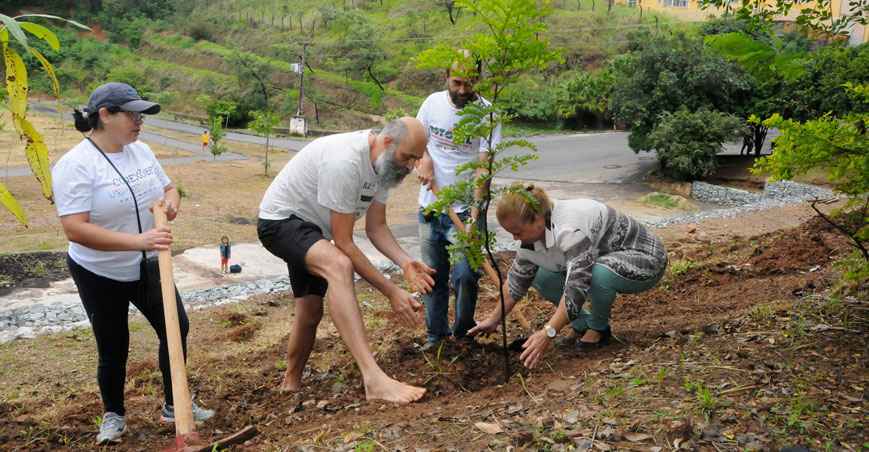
(390, 390)
(291, 383)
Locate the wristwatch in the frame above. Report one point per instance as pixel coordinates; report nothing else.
(550, 331)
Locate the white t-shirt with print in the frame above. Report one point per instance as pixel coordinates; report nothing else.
(83, 181)
(330, 173)
(440, 116)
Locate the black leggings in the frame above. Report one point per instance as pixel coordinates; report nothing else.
(107, 302)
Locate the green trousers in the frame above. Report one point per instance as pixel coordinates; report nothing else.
(605, 284)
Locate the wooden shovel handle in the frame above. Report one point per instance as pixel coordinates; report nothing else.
(487, 266)
(180, 392)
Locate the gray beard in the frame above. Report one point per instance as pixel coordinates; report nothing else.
(388, 171)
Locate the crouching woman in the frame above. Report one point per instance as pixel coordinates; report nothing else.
(571, 251)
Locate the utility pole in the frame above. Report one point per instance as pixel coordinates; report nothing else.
(298, 125)
(302, 78)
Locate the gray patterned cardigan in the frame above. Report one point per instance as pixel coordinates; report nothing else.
(579, 234)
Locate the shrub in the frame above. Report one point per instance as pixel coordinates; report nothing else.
(687, 142)
(669, 73)
(200, 30)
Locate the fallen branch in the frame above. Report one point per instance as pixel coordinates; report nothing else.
(522, 381)
(593, 436)
(729, 368)
(739, 389)
(856, 241)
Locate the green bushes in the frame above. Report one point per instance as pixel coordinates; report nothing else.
(668, 73)
(687, 141)
(577, 98)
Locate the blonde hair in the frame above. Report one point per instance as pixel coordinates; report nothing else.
(516, 204)
(467, 63)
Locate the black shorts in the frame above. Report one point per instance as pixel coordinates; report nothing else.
(290, 240)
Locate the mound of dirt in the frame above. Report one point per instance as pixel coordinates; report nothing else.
(800, 249)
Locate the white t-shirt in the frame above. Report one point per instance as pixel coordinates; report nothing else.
(83, 181)
(330, 173)
(440, 116)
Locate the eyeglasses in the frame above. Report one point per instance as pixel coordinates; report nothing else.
(135, 116)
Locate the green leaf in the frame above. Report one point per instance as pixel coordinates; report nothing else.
(37, 153)
(49, 16)
(13, 27)
(49, 69)
(11, 204)
(16, 80)
(42, 33)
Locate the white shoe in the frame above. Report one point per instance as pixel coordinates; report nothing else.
(167, 414)
(113, 426)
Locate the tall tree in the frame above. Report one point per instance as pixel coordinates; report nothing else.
(670, 73)
(506, 37)
(358, 49)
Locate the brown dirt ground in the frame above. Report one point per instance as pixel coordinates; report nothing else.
(740, 347)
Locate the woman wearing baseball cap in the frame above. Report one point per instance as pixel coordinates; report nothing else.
(104, 188)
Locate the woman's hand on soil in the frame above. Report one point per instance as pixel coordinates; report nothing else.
(490, 325)
(535, 347)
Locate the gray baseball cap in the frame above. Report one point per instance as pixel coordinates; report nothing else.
(120, 95)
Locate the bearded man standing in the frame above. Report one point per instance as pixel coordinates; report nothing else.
(316, 198)
(440, 113)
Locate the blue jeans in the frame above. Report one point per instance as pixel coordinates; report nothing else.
(434, 237)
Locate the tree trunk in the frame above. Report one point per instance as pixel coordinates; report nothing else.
(371, 74)
(760, 133)
(267, 155)
(450, 4)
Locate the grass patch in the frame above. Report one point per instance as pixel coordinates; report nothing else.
(680, 267)
(662, 200)
(762, 313)
(705, 400)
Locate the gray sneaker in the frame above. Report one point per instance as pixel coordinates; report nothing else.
(113, 426)
(167, 414)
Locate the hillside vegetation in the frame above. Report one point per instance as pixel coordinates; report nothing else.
(359, 54)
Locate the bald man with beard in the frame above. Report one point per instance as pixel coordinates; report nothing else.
(317, 197)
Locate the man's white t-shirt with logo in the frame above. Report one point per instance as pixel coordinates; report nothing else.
(440, 116)
(83, 181)
(330, 173)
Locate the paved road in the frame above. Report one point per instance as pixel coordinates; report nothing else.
(155, 138)
(587, 158)
(290, 144)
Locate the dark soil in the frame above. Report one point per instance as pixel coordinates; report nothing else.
(37, 269)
